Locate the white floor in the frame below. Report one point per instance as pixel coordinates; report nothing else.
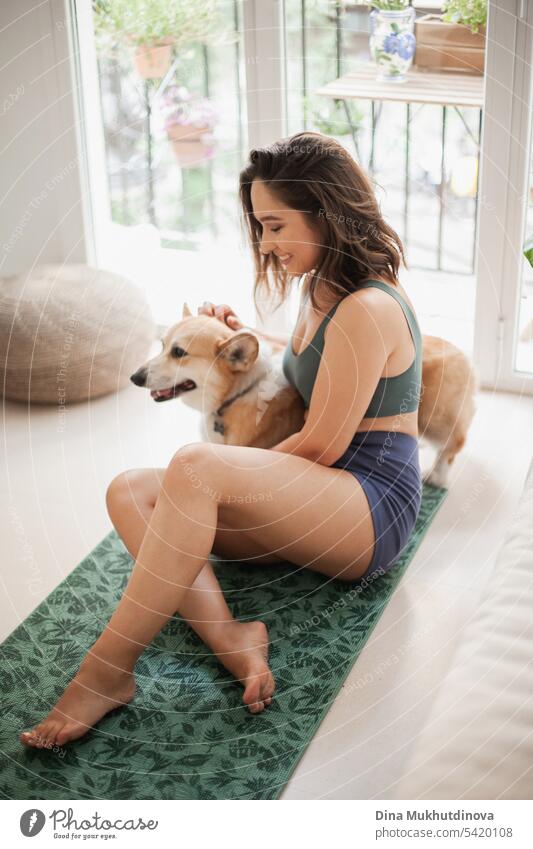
(53, 513)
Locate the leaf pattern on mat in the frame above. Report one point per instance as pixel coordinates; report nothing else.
(186, 734)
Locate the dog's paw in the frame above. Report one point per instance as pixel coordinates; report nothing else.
(437, 477)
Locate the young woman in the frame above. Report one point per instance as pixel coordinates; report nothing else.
(345, 489)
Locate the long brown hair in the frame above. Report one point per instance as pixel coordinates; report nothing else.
(314, 174)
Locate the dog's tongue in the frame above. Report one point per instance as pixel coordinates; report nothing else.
(172, 391)
(162, 393)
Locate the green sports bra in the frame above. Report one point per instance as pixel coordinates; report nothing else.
(393, 395)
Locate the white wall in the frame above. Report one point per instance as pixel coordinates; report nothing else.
(41, 198)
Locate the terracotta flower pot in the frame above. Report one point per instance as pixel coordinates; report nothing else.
(188, 132)
(444, 46)
(190, 143)
(152, 61)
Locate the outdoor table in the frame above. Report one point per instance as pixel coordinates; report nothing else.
(447, 89)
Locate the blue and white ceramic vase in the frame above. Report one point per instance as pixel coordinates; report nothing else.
(392, 42)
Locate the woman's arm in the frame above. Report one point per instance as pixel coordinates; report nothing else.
(280, 339)
(357, 345)
(225, 314)
(298, 443)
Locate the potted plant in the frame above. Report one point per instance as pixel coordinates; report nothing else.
(471, 13)
(527, 333)
(152, 61)
(392, 42)
(528, 250)
(153, 27)
(455, 39)
(189, 124)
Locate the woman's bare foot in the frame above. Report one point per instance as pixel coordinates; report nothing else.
(98, 687)
(95, 690)
(243, 649)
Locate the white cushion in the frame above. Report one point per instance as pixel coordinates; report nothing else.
(478, 742)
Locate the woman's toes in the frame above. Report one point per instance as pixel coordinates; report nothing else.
(44, 732)
(41, 740)
(250, 697)
(43, 736)
(37, 737)
(266, 690)
(28, 738)
(51, 733)
(32, 738)
(252, 692)
(258, 694)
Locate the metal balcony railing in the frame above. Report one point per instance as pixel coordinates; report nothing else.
(190, 205)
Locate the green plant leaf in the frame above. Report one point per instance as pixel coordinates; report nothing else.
(471, 13)
(528, 249)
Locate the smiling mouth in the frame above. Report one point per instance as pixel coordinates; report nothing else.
(173, 391)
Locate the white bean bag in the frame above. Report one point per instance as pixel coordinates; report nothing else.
(70, 332)
(478, 741)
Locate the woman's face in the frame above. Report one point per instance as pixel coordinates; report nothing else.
(286, 232)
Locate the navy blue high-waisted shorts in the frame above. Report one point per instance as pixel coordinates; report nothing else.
(386, 464)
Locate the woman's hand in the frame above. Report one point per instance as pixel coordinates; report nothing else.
(223, 312)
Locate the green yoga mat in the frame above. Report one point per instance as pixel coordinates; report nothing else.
(186, 735)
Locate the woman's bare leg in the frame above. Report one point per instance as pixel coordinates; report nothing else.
(296, 509)
(242, 647)
(172, 553)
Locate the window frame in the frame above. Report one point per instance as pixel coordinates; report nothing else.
(504, 188)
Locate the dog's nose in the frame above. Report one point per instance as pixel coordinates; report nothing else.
(139, 378)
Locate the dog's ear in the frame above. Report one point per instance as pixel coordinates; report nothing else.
(239, 351)
(186, 311)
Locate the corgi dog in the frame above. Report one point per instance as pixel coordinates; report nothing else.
(236, 381)
(447, 404)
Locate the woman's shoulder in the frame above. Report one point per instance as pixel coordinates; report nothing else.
(373, 298)
(329, 299)
(378, 303)
(382, 297)
(368, 307)
(361, 326)
(362, 305)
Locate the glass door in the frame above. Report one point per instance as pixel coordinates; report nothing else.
(504, 308)
(454, 181)
(418, 141)
(523, 355)
(163, 110)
